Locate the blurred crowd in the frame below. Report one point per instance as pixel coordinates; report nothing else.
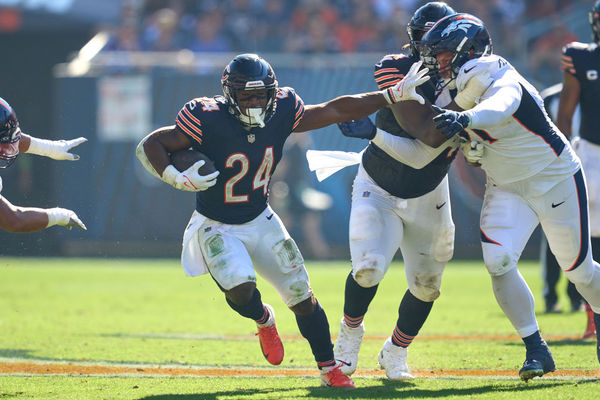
(331, 26)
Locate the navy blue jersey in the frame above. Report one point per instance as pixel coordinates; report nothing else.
(245, 158)
(393, 176)
(582, 60)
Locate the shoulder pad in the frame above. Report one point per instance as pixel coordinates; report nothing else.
(391, 69)
(575, 47)
(490, 65)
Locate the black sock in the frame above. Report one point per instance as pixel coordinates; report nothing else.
(356, 301)
(253, 310)
(412, 314)
(533, 341)
(315, 328)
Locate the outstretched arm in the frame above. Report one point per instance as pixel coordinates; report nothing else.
(357, 106)
(29, 219)
(55, 149)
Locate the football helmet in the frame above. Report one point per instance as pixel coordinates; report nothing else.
(594, 17)
(10, 134)
(423, 19)
(463, 35)
(250, 73)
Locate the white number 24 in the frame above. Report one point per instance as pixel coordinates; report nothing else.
(261, 178)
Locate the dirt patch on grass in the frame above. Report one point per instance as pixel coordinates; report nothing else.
(28, 368)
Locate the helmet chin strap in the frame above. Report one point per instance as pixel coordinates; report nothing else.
(256, 113)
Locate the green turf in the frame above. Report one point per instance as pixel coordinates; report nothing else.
(124, 312)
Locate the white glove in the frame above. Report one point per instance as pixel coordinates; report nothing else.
(473, 151)
(189, 180)
(405, 89)
(475, 88)
(56, 149)
(64, 217)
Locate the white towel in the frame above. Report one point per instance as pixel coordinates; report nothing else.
(192, 260)
(327, 162)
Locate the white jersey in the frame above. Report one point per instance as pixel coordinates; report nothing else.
(510, 120)
(0, 184)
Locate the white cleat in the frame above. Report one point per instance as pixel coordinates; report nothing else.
(347, 347)
(393, 359)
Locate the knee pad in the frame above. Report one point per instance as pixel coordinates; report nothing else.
(365, 223)
(369, 270)
(443, 244)
(497, 261)
(426, 287)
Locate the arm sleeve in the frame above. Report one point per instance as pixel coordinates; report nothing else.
(499, 102)
(411, 152)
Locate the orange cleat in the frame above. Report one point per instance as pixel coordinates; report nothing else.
(590, 329)
(334, 377)
(270, 343)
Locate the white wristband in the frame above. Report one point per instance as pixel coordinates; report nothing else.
(55, 216)
(42, 147)
(170, 174)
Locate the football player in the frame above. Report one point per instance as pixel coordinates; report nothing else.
(399, 201)
(533, 175)
(581, 66)
(12, 142)
(234, 233)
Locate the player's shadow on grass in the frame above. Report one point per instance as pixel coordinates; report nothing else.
(561, 342)
(379, 389)
(411, 390)
(236, 394)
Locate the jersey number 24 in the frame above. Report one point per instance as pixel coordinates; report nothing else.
(261, 178)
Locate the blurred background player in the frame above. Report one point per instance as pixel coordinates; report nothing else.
(234, 233)
(397, 204)
(533, 176)
(581, 66)
(12, 142)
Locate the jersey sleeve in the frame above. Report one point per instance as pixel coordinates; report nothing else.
(188, 121)
(391, 69)
(288, 94)
(569, 57)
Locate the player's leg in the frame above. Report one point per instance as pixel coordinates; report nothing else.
(231, 267)
(375, 233)
(278, 260)
(507, 222)
(427, 246)
(550, 274)
(568, 231)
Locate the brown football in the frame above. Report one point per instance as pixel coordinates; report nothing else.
(183, 159)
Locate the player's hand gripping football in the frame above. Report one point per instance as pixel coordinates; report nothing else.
(406, 88)
(64, 217)
(450, 122)
(360, 128)
(190, 180)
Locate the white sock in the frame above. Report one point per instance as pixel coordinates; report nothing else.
(516, 300)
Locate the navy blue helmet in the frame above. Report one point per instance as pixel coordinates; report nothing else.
(423, 19)
(464, 35)
(10, 134)
(249, 72)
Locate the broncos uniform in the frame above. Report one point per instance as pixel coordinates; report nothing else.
(397, 206)
(533, 176)
(237, 206)
(582, 60)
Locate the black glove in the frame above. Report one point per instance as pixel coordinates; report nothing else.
(360, 128)
(452, 122)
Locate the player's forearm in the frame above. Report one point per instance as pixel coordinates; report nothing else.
(411, 152)
(24, 219)
(500, 105)
(24, 143)
(152, 153)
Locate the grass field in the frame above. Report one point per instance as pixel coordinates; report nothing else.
(140, 329)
